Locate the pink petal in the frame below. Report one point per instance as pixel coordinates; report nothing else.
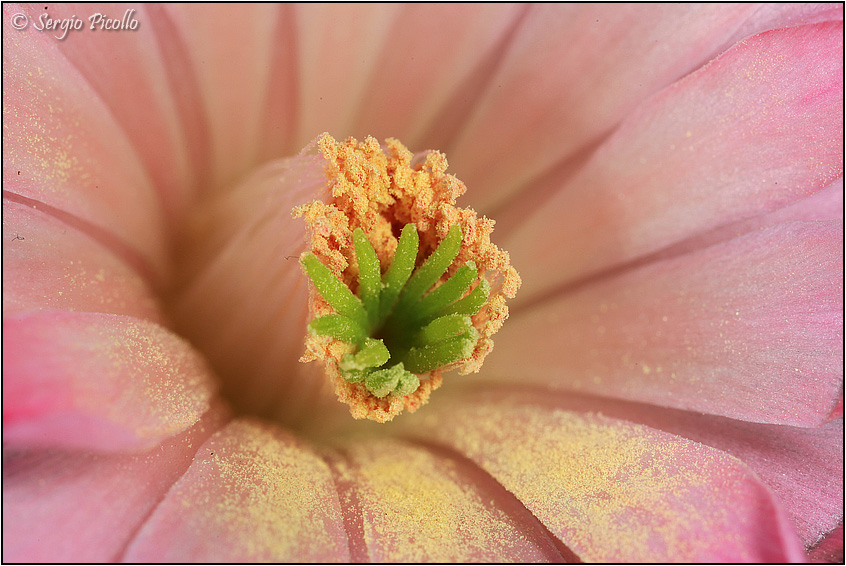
(98, 381)
(230, 51)
(248, 269)
(433, 66)
(337, 53)
(50, 265)
(614, 491)
(775, 15)
(830, 549)
(826, 204)
(420, 505)
(572, 73)
(281, 97)
(252, 493)
(61, 506)
(62, 148)
(753, 131)
(797, 464)
(749, 329)
(131, 73)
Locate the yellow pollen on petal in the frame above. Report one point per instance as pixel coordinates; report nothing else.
(381, 189)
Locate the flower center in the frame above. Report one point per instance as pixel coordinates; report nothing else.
(413, 334)
(400, 285)
(393, 311)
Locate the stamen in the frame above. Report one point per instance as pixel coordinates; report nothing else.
(400, 270)
(446, 294)
(386, 339)
(337, 326)
(469, 304)
(442, 353)
(445, 326)
(370, 277)
(334, 291)
(429, 273)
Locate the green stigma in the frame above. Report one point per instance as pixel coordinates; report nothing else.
(399, 325)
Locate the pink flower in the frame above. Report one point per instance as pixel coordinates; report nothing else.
(668, 180)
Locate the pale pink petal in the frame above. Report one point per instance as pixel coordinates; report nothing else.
(231, 51)
(571, 74)
(773, 15)
(799, 465)
(129, 73)
(63, 148)
(64, 506)
(337, 52)
(758, 128)
(50, 265)
(830, 549)
(750, 329)
(281, 112)
(241, 255)
(252, 493)
(802, 466)
(614, 491)
(826, 204)
(433, 66)
(99, 381)
(417, 504)
(837, 412)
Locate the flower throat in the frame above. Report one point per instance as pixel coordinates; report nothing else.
(391, 314)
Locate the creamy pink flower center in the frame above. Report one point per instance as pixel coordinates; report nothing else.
(239, 293)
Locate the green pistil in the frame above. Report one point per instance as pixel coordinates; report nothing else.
(397, 328)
